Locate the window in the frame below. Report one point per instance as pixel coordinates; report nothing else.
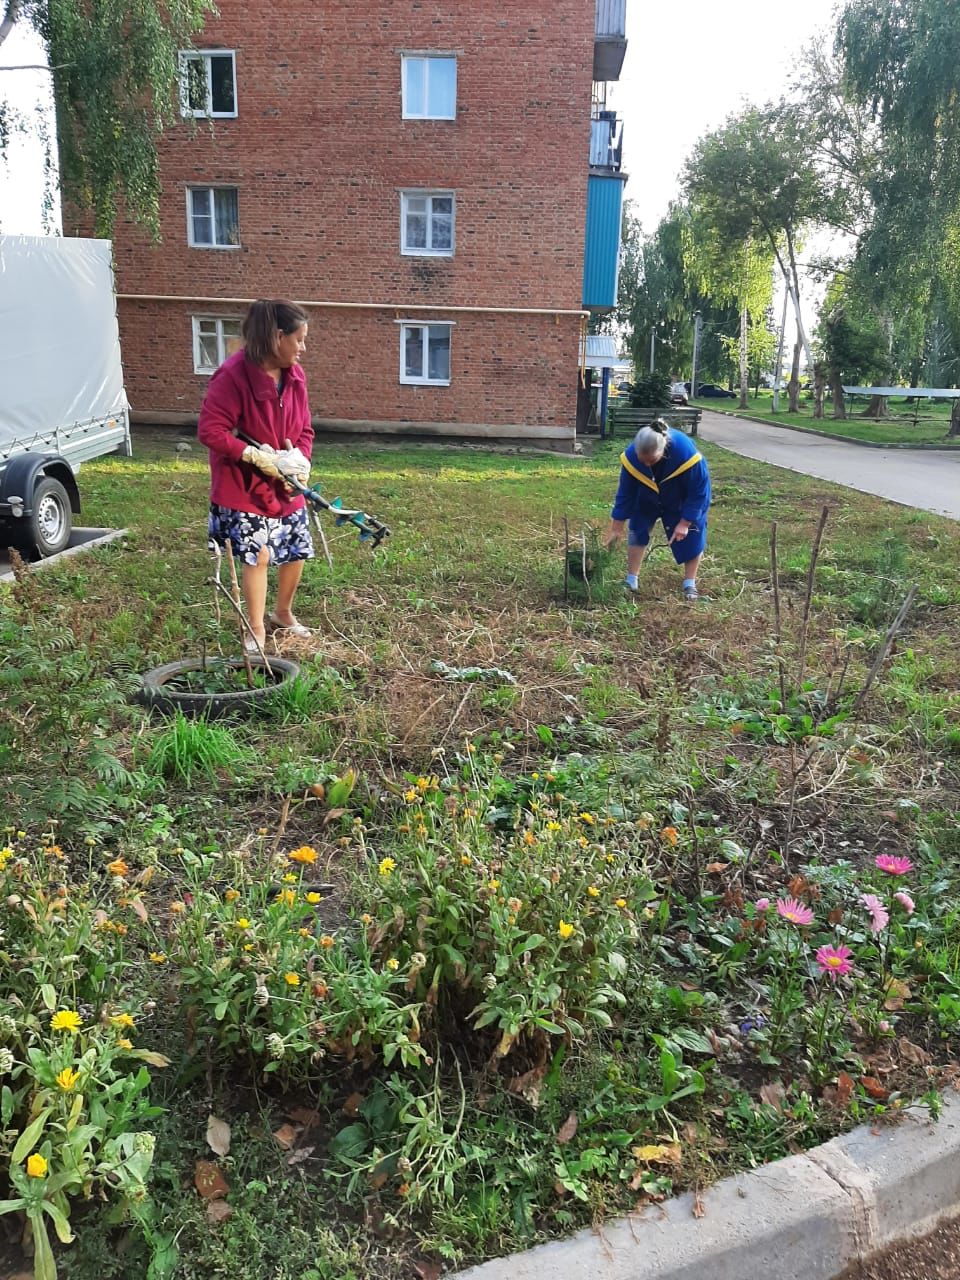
(214, 338)
(425, 353)
(426, 222)
(208, 83)
(212, 218)
(429, 84)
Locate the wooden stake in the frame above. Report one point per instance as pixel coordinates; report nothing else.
(235, 596)
(566, 560)
(811, 573)
(778, 627)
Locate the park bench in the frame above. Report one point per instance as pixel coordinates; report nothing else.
(624, 418)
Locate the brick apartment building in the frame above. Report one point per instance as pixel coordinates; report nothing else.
(437, 182)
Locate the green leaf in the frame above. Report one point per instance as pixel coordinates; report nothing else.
(350, 1142)
(60, 1223)
(532, 942)
(48, 995)
(11, 1206)
(6, 1106)
(687, 1038)
(44, 1267)
(28, 1139)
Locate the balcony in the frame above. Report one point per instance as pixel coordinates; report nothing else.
(610, 39)
(606, 142)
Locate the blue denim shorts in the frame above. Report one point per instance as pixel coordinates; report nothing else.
(286, 538)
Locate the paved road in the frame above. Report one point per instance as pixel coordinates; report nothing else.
(924, 478)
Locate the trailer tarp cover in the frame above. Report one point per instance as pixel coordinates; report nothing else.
(59, 342)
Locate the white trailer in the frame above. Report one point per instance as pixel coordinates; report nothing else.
(62, 400)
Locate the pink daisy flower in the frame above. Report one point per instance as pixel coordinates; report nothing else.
(906, 902)
(793, 910)
(879, 913)
(762, 904)
(892, 865)
(834, 961)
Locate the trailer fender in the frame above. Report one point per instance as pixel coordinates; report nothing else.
(19, 479)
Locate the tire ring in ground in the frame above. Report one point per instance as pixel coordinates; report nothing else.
(154, 694)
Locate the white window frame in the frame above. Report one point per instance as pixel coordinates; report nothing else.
(436, 56)
(422, 381)
(196, 321)
(429, 252)
(216, 186)
(204, 56)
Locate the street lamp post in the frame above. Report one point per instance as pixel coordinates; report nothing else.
(653, 348)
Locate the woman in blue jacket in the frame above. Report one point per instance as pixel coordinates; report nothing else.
(662, 477)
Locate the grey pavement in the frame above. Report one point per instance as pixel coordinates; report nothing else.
(924, 478)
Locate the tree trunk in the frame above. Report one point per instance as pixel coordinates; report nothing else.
(877, 408)
(10, 14)
(819, 387)
(836, 391)
(793, 386)
(744, 360)
(954, 419)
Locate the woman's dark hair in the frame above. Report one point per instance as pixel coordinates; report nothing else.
(261, 323)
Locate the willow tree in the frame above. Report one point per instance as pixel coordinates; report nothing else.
(115, 73)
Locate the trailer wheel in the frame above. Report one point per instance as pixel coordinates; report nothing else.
(49, 527)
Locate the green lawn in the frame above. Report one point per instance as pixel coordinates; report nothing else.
(466, 964)
(931, 427)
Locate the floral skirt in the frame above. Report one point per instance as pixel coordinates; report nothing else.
(286, 538)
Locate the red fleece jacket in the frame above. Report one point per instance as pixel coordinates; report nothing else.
(242, 397)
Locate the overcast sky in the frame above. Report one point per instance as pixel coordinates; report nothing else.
(688, 65)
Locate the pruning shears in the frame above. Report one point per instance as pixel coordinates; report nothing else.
(371, 529)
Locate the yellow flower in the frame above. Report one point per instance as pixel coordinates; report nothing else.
(535, 776)
(366, 918)
(566, 930)
(158, 957)
(290, 878)
(304, 933)
(393, 964)
(67, 1078)
(582, 841)
(304, 854)
(243, 923)
(6, 853)
(66, 1020)
(609, 858)
(121, 929)
(404, 827)
(327, 942)
(593, 891)
(529, 838)
(621, 903)
(36, 1166)
(421, 830)
(669, 834)
(588, 818)
(292, 979)
(288, 897)
(118, 867)
(21, 834)
(248, 946)
(465, 860)
(411, 795)
(314, 898)
(123, 1043)
(177, 908)
(554, 826)
(387, 867)
(121, 1020)
(511, 919)
(470, 748)
(493, 886)
(232, 895)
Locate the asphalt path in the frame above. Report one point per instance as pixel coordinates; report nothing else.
(928, 479)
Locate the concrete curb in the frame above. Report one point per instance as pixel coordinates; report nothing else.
(81, 539)
(806, 1217)
(830, 435)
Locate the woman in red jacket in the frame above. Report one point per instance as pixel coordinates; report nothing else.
(261, 391)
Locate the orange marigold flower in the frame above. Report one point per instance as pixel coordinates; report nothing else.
(118, 867)
(669, 834)
(305, 854)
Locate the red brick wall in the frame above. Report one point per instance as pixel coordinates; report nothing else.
(319, 153)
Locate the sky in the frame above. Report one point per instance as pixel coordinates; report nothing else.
(688, 65)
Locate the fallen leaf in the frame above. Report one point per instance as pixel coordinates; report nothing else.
(528, 1085)
(218, 1136)
(427, 1270)
(209, 1181)
(218, 1211)
(377, 1180)
(352, 1104)
(912, 1053)
(332, 815)
(304, 1117)
(286, 1136)
(714, 868)
(844, 1088)
(147, 1055)
(874, 1088)
(835, 916)
(699, 1209)
(772, 1095)
(298, 1156)
(568, 1129)
(140, 910)
(658, 1153)
(897, 993)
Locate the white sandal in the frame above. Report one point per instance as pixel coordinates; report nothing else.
(291, 628)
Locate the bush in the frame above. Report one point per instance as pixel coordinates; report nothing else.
(651, 391)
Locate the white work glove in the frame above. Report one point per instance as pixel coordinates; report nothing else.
(294, 465)
(264, 458)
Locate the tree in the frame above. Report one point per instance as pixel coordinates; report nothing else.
(853, 342)
(754, 180)
(116, 79)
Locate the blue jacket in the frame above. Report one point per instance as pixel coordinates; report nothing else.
(675, 488)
